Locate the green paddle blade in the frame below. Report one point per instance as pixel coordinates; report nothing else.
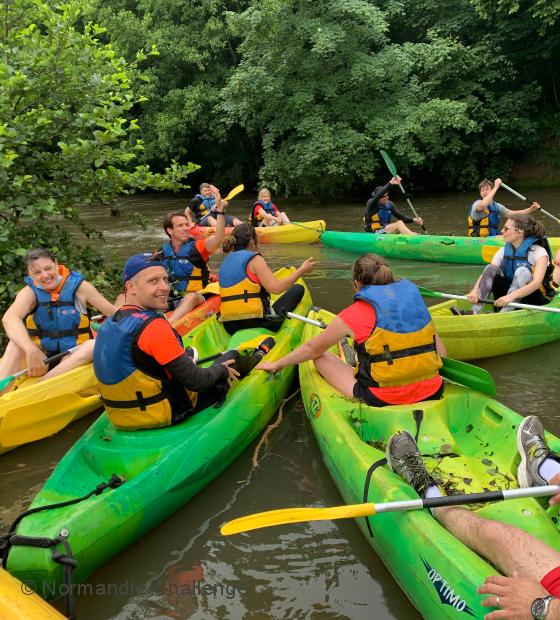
(468, 375)
(389, 163)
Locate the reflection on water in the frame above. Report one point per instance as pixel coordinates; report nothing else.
(184, 568)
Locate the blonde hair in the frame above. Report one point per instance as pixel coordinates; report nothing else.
(371, 269)
(261, 190)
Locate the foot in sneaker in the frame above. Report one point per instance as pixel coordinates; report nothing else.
(192, 353)
(534, 452)
(404, 459)
(264, 347)
(458, 312)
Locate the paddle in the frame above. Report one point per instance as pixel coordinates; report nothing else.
(512, 191)
(298, 515)
(236, 190)
(5, 382)
(393, 171)
(428, 293)
(454, 370)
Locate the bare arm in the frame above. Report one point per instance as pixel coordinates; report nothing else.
(188, 215)
(13, 320)
(314, 348)
(268, 280)
(440, 347)
(534, 206)
(483, 203)
(214, 242)
(88, 294)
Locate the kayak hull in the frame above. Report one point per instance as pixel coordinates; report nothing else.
(471, 440)
(39, 409)
(163, 468)
(493, 333)
(433, 248)
(19, 602)
(295, 232)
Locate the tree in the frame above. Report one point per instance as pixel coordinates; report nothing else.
(65, 139)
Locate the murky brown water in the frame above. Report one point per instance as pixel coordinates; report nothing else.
(316, 570)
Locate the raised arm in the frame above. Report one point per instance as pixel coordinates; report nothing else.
(214, 242)
(483, 203)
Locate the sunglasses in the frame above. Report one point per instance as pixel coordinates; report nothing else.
(509, 228)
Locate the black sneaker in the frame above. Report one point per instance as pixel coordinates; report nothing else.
(404, 459)
(533, 450)
(458, 312)
(264, 347)
(192, 353)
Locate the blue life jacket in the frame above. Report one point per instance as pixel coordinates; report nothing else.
(488, 226)
(136, 395)
(269, 207)
(187, 270)
(401, 348)
(241, 298)
(207, 207)
(380, 219)
(58, 325)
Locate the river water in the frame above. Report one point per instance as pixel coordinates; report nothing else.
(184, 568)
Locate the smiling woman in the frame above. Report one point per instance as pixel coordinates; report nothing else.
(522, 270)
(48, 316)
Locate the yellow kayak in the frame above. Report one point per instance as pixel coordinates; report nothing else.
(19, 602)
(295, 232)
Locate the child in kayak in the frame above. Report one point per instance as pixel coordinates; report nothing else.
(265, 212)
(530, 584)
(380, 211)
(396, 344)
(520, 271)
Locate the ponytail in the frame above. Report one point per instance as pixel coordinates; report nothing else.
(371, 269)
(240, 238)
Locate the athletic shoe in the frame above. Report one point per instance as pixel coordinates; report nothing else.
(264, 347)
(192, 353)
(458, 312)
(404, 459)
(533, 450)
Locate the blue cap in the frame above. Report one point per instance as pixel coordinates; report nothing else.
(136, 263)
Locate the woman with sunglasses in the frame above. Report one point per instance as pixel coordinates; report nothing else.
(380, 211)
(520, 271)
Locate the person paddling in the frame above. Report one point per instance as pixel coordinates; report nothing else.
(265, 212)
(380, 211)
(49, 316)
(246, 282)
(485, 213)
(394, 337)
(520, 271)
(146, 378)
(202, 209)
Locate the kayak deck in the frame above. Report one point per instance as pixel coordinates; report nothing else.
(468, 443)
(295, 232)
(163, 468)
(493, 333)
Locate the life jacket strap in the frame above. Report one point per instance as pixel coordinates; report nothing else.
(45, 333)
(140, 402)
(56, 304)
(245, 296)
(389, 356)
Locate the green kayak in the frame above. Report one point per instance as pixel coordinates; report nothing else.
(467, 440)
(163, 468)
(434, 248)
(493, 333)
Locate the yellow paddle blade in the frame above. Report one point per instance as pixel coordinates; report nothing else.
(211, 289)
(236, 190)
(488, 252)
(295, 515)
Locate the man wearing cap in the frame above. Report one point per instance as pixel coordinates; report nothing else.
(380, 211)
(146, 378)
(186, 259)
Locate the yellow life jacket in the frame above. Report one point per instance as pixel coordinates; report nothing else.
(241, 298)
(380, 218)
(489, 225)
(56, 324)
(401, 348)
(135, 396)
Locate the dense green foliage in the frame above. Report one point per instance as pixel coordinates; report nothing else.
(67, 135)
(302, 95)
